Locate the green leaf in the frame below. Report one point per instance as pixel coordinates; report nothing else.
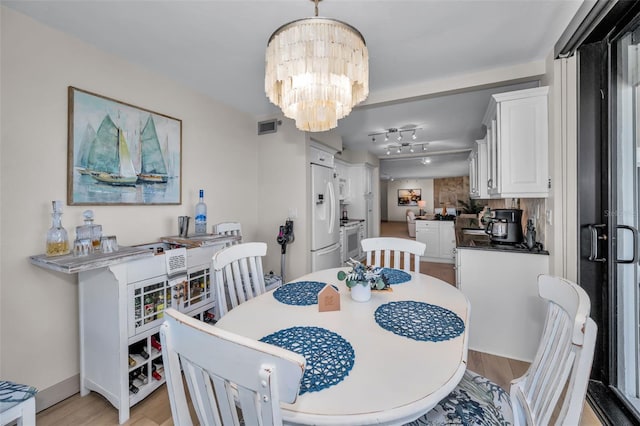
(342, 275)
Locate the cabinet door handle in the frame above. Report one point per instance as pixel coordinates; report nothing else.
(594, 255)
(634, 234)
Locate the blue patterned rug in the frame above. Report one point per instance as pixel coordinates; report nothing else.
(419, 321)
(301, 293)
(329, 356)
(396, 276)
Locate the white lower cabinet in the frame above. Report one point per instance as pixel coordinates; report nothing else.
(121, 310)
(507, 314)
(439, 236)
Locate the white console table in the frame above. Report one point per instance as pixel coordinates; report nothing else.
(122, 297)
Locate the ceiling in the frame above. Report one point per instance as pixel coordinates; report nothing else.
(217, 48)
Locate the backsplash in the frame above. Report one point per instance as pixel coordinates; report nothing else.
(447, 191)
(531, 207)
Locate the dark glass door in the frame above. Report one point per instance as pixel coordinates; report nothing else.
(609, 212)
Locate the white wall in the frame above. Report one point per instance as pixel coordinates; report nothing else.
(39, 308)
(283, 169)
(399, 213)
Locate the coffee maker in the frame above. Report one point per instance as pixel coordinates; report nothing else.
(505, 227)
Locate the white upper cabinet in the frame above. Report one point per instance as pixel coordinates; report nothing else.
(517, 144)
(478, 165)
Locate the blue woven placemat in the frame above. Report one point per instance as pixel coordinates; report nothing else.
(301, 293)
(329, 356)
(396, 276)
(419, 321)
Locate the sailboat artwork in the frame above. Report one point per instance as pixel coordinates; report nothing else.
(152, 166)
(109, 160)
(85, 146)
(133, 158)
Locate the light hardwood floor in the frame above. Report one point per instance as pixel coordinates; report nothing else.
(94, 410)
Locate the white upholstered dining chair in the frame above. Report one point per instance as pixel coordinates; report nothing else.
(238, 274)
(563, 361)
(380, 249)
(225, 373)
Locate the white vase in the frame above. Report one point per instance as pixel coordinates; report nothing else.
(361, 293)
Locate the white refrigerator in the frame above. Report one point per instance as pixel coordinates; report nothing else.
(325, 220)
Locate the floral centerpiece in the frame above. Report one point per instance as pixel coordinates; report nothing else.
(365, 275)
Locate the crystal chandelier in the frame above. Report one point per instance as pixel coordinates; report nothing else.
(317, 70)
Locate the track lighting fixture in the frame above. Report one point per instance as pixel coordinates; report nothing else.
(411, 147)
(425, 160)
(398, 133)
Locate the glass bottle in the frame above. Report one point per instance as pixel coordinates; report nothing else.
(57, 237)
(201, 215)
(91, 231)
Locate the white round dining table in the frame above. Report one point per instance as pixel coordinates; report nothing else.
(394, 379)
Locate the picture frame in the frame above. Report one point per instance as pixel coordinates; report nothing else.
(121, 154)
(409, 197)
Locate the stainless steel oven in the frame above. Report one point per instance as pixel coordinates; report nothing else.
(350, 241)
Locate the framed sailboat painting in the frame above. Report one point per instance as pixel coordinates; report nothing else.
(121, 154)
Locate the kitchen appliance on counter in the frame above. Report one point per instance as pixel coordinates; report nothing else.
(505, 226)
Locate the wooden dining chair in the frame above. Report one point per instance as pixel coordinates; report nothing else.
(229, 228)
(563, 360)
(238, 275)
(379, 252)
(225, 373)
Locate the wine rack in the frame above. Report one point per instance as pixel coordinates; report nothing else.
(121, 309)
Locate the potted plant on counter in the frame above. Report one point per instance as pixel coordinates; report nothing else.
(361, 279)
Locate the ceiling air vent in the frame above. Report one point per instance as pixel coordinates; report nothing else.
(268, 126)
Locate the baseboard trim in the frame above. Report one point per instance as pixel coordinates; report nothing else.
(58, 392)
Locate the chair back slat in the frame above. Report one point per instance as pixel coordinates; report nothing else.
(225, 372)
(238, 275)
(199, 384)
(379, 252)
(563, 360)
(554, 373)
(230, 229)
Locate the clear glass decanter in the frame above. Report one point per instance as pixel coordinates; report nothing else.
(57, 238)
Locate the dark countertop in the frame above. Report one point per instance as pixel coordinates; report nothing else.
(502, 248)
(350, 221)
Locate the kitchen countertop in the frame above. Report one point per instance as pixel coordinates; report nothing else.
(502, 248)
(477, 239)
(350, 222)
